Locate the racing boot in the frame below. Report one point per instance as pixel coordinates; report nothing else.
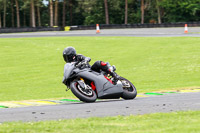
(111, 70)
(115, 76)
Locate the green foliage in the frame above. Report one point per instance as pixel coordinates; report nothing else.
(32, 68)
(90, 12)
(176, 122)
(1, 5)
(180, 11)
(94, 12)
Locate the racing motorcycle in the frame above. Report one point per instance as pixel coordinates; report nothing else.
(88, 85)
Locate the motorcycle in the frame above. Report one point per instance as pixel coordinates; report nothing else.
(88, 85)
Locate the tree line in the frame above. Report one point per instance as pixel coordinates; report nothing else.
(37, 13)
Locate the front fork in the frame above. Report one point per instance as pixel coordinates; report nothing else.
(92, 85)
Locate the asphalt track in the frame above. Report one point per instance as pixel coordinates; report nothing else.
(133, 32)
(140, 105)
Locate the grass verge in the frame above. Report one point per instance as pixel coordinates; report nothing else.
(176, 122)
(32, 68)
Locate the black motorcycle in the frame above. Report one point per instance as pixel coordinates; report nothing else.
(88, 85)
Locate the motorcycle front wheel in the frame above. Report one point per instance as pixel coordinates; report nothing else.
(85, 94)
(130, 91)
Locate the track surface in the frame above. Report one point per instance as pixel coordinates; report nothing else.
(141, 105)
(137, 32)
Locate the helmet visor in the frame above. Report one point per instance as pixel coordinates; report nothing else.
(71, 57)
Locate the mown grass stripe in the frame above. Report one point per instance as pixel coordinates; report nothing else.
(3, 106)
(70, 100)
(153, 93)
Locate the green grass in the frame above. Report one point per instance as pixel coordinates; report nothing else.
(194, 33)
(177, 122)
(32, 68)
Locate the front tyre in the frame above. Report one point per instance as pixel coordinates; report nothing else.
(130, 91)
(85, 94)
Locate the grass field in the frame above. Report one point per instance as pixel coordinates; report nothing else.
(177, 122)
(32, 68)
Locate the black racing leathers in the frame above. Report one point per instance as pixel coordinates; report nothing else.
(100, 65)
(97, 66)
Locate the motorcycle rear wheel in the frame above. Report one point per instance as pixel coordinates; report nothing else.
(130, 91)
(86, 95)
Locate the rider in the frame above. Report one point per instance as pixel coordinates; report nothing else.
(69, 55)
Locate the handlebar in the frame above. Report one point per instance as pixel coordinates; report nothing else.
(82, 63)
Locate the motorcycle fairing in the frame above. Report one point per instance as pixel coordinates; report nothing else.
(104, 88)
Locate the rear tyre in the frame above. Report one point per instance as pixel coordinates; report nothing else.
(86, 94)
(130, 91)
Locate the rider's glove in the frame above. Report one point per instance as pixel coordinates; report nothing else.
(88, 59)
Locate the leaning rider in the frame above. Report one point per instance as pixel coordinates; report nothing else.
(69, 55)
